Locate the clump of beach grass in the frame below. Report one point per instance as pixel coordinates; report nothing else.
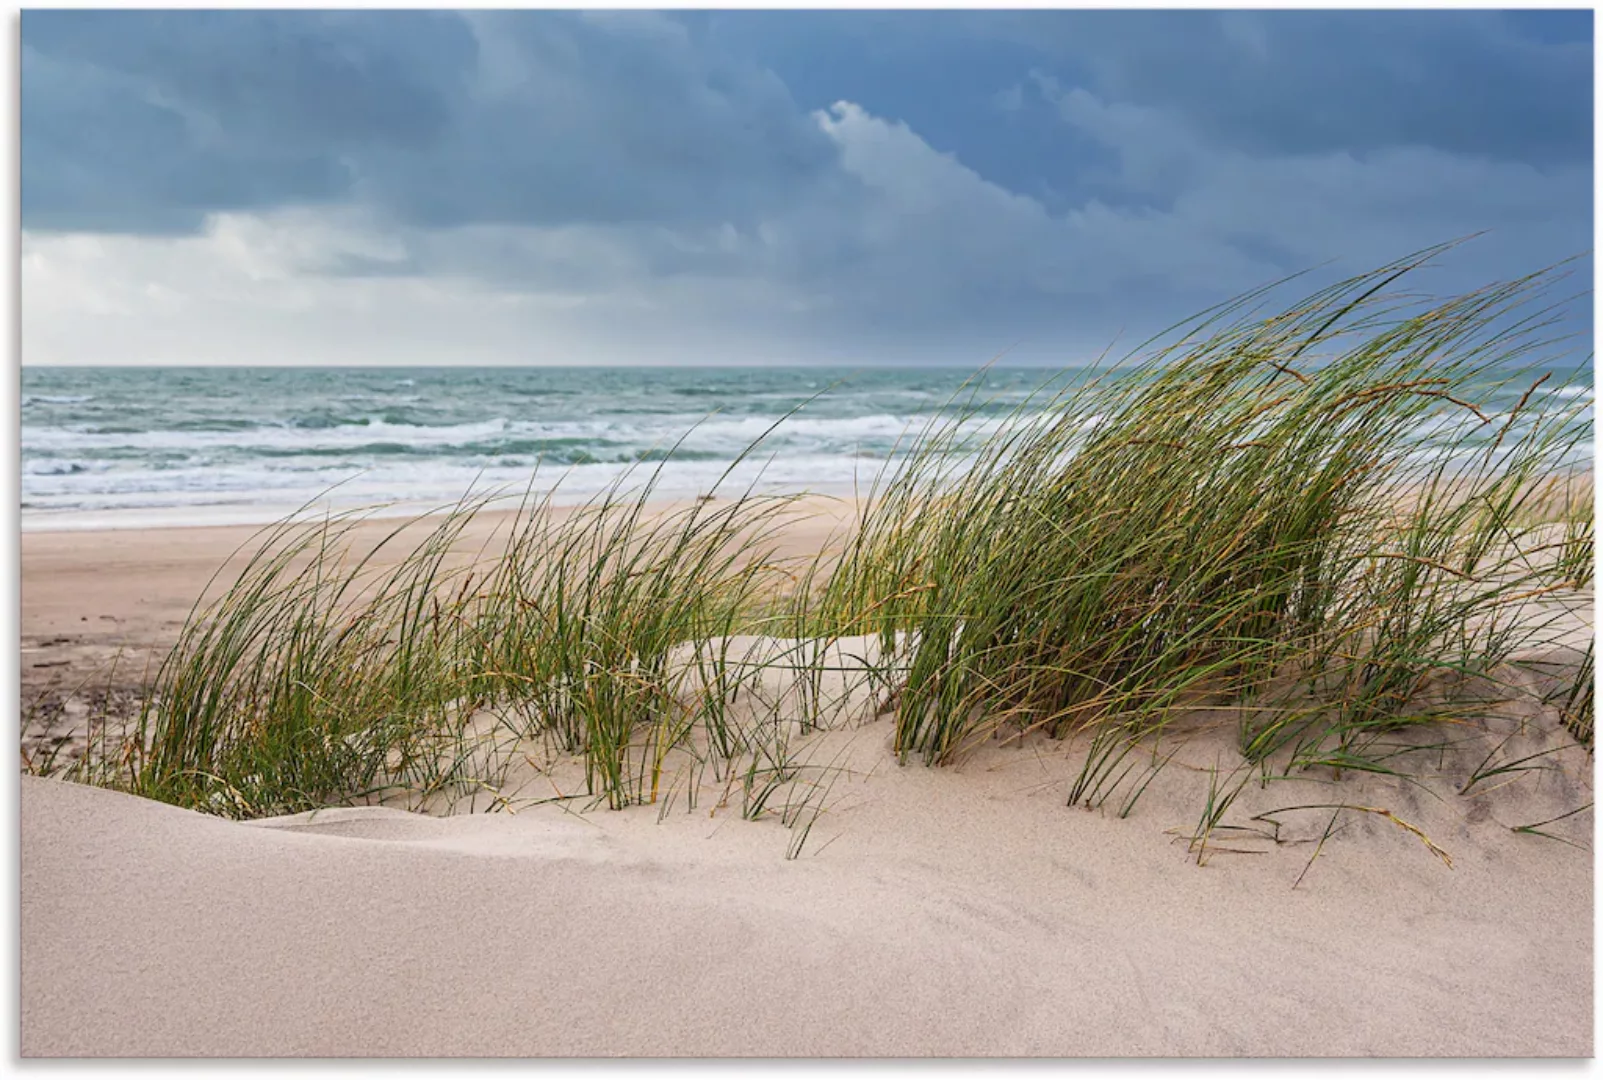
(323, 675)
(1241, 522)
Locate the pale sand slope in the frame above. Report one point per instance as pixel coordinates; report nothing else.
(931, 912)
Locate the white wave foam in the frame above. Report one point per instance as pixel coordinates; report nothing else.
(55, 399)
(266, 437)
(61, 467)
(724, 435)
(426, 481)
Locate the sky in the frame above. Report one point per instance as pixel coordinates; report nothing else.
(765, 187)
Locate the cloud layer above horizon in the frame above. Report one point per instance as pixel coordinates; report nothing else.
(764, 187)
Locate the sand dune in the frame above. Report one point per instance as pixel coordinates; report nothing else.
(951, 911)
(931, 912)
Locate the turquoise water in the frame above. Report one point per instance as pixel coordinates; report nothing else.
(193, 445)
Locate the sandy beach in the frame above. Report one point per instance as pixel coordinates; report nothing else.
(737, 534)
(959, 911)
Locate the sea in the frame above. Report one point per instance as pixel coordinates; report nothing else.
(148, 446)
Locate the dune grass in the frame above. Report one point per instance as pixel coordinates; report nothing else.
(1242, 519)
(1241, 511)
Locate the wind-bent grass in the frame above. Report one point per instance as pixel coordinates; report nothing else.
(1223, 520)
(1243, 523)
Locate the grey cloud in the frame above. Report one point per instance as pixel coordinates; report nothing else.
(1303, 81)
(303, 78)
(103, 154)
(625, 169)
(609, 119)
(154, 119)
(1507, 85)
(146, 122)
(1294, 210)
(932, 255)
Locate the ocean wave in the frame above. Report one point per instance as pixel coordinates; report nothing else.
(727, 435)
(257, 437)
(279, 439)
(437, 481)
(210, 423)
(323, 421)
(55, 399)
(60, 467)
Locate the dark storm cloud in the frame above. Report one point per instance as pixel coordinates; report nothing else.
(100, 155)
(943, 179)
(144, 121)
(310, 79)
(1513, 86)
(1305, 81)
(148, 119)
(618, 117)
